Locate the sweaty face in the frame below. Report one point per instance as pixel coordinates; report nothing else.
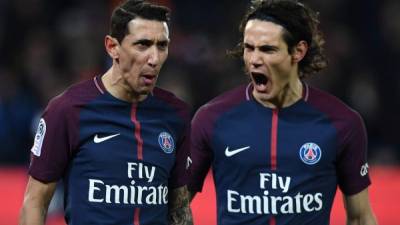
(142, 53)
(267, 60)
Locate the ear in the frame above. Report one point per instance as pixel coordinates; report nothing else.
(299, 51)
(112, 46)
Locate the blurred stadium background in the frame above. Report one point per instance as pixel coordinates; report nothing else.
(48, 45)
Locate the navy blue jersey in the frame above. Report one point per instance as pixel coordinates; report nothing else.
(275, 166)
(117, 159)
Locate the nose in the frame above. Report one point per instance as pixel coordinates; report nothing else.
(255, 59)
(154, 57)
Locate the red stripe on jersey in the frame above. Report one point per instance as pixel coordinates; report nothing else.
(274, 137)
(138, 137)
(136, 220)
(272, 221)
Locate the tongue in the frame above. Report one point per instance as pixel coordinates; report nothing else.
(148, 80)
(261, 87)
(264, 88)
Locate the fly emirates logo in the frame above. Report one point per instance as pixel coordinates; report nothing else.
(269, 204)
(101, 192)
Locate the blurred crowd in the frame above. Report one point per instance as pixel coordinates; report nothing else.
(48, 45)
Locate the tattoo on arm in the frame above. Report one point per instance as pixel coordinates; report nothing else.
(179, 207)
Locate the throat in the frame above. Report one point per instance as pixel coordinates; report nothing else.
(289, 95)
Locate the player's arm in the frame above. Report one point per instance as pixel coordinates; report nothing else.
(36, 202)
(54, 145)
(358, 209)
(200, 150)
(179, 207)
(352, 172)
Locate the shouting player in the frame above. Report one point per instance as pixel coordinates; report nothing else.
(119, 143)
(279, 147)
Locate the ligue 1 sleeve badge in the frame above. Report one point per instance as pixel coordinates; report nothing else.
(166, 142)
(310, 153)
(39, 137)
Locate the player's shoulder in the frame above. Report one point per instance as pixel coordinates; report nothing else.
(226, 100)
(74, 96)
(331, 105)
(172, 100)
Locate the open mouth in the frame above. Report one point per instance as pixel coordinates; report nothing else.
(149, 76)
(259, 78)
(262, 83)
(148, 79)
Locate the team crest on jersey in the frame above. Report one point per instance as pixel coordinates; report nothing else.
(310, 153)
(166, 142)
(41, 131)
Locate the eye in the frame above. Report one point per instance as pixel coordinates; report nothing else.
(143, 44)
(268, 49)
(248, 47)
(163, 45)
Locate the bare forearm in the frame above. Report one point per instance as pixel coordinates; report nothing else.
(366, 220)
(36, 201)
(32, 215)
(358, 209)
(179, 207)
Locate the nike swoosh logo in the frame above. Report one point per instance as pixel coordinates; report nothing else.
(101, 139)
(188, 162)
(230, 153)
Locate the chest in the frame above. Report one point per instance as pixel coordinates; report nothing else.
(114, 139)
(259, 140)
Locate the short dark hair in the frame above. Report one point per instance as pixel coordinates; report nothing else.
(132, 9)
(299, 23)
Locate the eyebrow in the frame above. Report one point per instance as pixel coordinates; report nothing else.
(268, 47)
(150, 42)
(247, 45)
(143, 42)
(262, 47)
(163, 42)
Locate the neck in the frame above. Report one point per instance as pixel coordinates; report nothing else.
(290, 94)
(117, 87)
